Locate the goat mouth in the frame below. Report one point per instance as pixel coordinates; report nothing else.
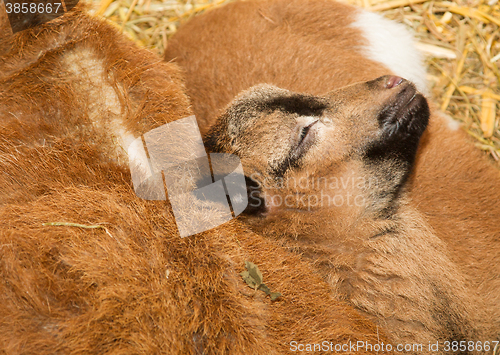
(402, 122)
(405, 114)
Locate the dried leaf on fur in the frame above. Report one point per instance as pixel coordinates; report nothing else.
(248, 279)
(275, 296)
(254, 272)
(264, 288)
(267, 290)
(253, 277)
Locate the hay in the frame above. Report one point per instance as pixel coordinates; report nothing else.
(460, 39)
(149, 22)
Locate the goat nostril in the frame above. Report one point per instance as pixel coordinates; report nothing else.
(393, 81)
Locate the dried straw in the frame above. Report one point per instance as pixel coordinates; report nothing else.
(460, 40)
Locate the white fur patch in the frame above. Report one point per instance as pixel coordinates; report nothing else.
(392, 45)
(105, 110)
(452, 124)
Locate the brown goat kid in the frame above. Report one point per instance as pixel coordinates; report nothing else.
(361, 233)
(421, 282)
(73, 92)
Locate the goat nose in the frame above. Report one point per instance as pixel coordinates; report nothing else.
(393, 81)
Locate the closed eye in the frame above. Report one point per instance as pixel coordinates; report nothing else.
(303, 134)
(302, 140)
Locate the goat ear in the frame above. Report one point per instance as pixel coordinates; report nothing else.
(211, 142)
(216, 139)
(272, 98)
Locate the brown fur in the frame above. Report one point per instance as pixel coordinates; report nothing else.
(133, 287)
(287, 44)
(305, 47)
